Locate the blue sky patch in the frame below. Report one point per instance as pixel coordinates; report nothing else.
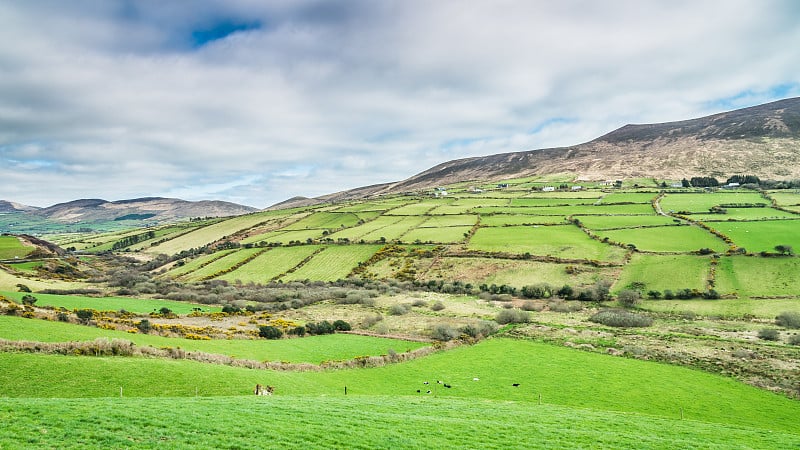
(220, 30)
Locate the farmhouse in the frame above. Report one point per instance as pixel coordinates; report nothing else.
(548, 189)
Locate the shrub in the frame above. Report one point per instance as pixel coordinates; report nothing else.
(768, 334)
(437, 306)
(28, 299)
(231, 309)
(561, 306)
(341, 325)
(371, 320)
(532, 306)
(62, 316)
(298, 331)
(270, 332)
(794, 339)
(788, 319)
(144, 326)
(442, 332)
(398, 310)
(655, 295)
(621, 318)
(541, 290)
(419, 302)
(85, 315)
(23, 288)
(323, 327)
(479, 329)
(629, 298)
(512, 316)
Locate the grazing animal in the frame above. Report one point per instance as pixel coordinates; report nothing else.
(438, 382)
(447, 386)
(429, 391)
(476, 379)
(264, 390)
(418, 391)
(515, 384)
(425, 382)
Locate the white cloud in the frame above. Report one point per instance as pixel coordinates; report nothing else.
(115, 99)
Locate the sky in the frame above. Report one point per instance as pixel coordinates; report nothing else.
(257, 101)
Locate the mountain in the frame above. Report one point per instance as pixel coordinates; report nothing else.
(762, 140)
(12, 207)
(149, 208)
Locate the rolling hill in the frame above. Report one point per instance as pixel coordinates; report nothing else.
(760, 140)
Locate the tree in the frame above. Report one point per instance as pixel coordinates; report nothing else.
(28, 300)
(144, 326)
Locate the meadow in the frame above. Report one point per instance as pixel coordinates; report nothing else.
(134, 305)
(563, 241)
(11, 247)
(685, 272)
(666, 239)
(761, 235)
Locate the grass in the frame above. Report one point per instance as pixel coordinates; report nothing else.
(270, 264)
(311, 349)
(762, 235)
(628, 197)
(26, 266)
(685, 271)
(763, 277)
(563, 241)
(562, 376)
(745, 214)
(135, 305)
(198, 262)
(762, 308)
(222, 263)
(701, 202)
(352, 422)
(325, 220)
(418, 209)
(516, 273)
(394, 230)
(666, 239)
(444, 235)
(501, 220)
(635, 209)
(612, 222)
(11, 248)
(333, 263)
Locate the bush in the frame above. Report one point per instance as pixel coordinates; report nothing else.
(769, 334)
(85, 315)
(144, 326)
(512, 316)
(62, 316)
(629, 298)
(419, 302)
(532, 306)
(443, 332)
(621, 318)
(371, 320)
(788, 319)
(28, 299)
(561, 306)
(298, 331)
(398, 310)
(323, 327)
(341, 325)
(231, 309)
(437, 306)
(270, 332)
(479, 329)
(794, 339)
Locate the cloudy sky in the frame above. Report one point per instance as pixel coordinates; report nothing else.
(257, 101)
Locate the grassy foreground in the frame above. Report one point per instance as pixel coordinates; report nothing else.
(352, 422)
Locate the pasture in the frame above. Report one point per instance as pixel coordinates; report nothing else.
(745, 214)
(11, 248)
(562, 241)
(762, 235)
(270, 264)
(134, 305)
(310, 349)
(613, 222)
(659, 272)
(562, 376)
(220, 264)
(444, 235)
(501, 220)
(701, 202)
(666, 239)
(764, 277)
(333, 263)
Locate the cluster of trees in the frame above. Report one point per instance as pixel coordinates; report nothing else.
(133, 240)
(713, 182)
(324, 327)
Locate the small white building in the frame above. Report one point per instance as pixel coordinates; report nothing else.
(577, 188)
(548, 189)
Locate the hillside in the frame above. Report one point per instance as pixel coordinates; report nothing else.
(12, 207)
(151, 208)
(760, 140)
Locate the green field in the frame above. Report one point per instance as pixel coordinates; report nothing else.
(311, 349)
(635, 209)
(745, 214)
(11, 248)
(325, 220)
(628, 197)
(562, 241)
(501, 220)
(764, 277)
(561, 376)
(223, 263)
(551, 201)
(764, 309)
(333, 263)
(134, 305)
(701, 202)
(444, 235)
(612, 222)
(783, 198)
(198, 262)
(271, 264)
(666, 239)
(659, 272)
(762, 235)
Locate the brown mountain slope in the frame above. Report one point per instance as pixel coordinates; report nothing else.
(151, 208)
(762, 140)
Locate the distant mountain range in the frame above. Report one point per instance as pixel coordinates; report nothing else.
(761, 140)
(154, 209)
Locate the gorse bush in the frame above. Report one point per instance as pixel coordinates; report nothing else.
(398, 310)
(629, 298)
(621, 318)
(794, 339)
(437, 306)
(442, 332)
(788, 319)
(270, 332)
